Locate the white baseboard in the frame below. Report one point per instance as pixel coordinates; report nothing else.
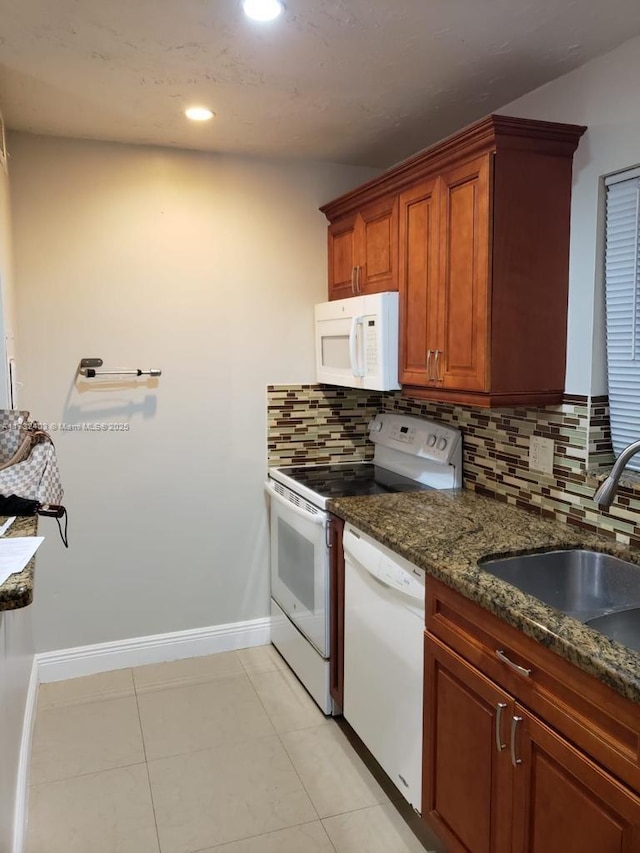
(102, 657)
(22, 783)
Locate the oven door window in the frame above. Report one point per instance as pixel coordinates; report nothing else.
(300, 571)
(294, 552)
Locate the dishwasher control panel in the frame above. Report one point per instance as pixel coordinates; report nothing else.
(381, 563)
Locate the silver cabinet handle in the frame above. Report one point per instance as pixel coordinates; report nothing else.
(514, 728)
(521, 669)
(429, 354)
(358, 269)
(437, 367)
(499, 709)
(353, 280)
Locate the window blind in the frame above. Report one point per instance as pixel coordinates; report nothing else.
(622, 293)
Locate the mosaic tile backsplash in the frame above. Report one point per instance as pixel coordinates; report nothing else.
(312, 424)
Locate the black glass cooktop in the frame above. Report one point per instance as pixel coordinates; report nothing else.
(346, 481)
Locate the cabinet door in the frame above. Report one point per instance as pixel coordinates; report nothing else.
(419, 287)
(336, 659)
(342, 257)
(466, 776)
(563, 801)
(464, 276)
(377, 247)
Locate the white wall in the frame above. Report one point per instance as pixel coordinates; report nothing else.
(16, 640)
(604, 96)
(7, 307)
(207, 267)
(16, 661)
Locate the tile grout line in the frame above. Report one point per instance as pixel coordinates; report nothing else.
(378, 806)
(305, 790)
(88, 773)
(330, 720)
(318, 819)
(201, 749)
(146, 764)
(295, 769)
(259, 835)
(206, 749)
(138, 691)
(388, 801)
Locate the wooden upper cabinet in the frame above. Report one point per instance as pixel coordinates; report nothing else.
(363, 250)
(444, 279)
(342, 258)
(462, 347)
(378, 248)
(481, 259)
(419, 291)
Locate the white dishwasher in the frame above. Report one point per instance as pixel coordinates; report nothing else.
(383, 657)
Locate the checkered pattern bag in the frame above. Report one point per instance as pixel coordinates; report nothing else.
(31, 471)
(14, 436)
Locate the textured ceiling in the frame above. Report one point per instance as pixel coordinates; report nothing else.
(352, 81)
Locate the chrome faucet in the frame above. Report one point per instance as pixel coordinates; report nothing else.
(605, 493)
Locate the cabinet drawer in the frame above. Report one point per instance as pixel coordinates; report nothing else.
(583, 709)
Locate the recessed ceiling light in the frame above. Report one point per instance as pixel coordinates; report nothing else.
(198, 113)
(262, 10)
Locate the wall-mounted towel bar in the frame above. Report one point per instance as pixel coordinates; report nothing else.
(88, 368)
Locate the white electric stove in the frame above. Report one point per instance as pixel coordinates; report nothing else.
(410, 454)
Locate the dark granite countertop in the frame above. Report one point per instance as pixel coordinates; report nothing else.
(447, 533)
(17, 590)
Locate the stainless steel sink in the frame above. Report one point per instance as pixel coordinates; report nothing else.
(623, 626)
(582, 584)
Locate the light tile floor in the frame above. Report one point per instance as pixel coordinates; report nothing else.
(225, 753)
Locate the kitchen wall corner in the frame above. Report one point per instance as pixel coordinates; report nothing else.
(174, 259)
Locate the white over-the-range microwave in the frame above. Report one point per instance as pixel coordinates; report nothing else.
(357, 342)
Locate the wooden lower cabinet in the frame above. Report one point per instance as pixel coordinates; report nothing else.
(498, 779)
(563, 801)
(466, 781)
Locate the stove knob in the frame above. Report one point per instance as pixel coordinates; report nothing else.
(431, 441)
(442, 443)
(375, 426)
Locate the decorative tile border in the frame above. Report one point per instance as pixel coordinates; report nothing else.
(314, 424)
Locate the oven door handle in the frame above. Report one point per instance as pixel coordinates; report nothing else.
(319, 519)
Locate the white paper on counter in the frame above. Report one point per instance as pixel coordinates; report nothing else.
(16, 553)
(7, 525)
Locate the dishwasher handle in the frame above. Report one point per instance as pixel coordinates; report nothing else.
(394, 579)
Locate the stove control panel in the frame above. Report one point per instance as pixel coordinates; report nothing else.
(416, 436)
